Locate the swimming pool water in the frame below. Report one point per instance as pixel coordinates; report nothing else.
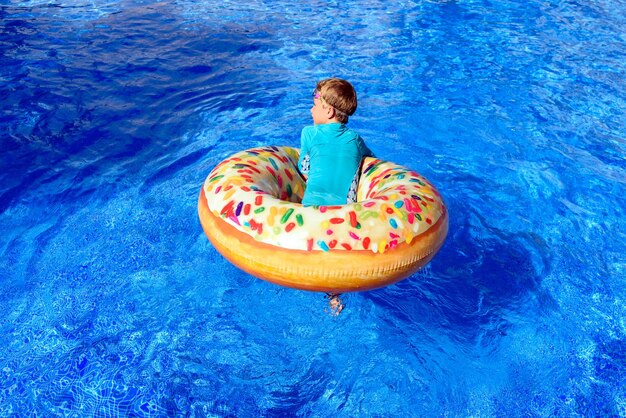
(114, 303)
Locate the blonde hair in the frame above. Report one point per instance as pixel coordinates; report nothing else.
(340, 95)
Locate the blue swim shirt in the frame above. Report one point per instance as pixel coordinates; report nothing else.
(335, 153)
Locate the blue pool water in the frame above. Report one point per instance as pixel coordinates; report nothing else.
(113, 302)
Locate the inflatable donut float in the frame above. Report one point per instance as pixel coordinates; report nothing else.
(249, 209)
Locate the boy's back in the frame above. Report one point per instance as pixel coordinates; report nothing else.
(335, 153)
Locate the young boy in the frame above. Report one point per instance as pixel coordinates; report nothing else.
(330, 152)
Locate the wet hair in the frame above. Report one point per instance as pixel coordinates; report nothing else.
(340, 95)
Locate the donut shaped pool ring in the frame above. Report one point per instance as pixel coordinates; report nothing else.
(249, 209)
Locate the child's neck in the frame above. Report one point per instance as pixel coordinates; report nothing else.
(329, 121)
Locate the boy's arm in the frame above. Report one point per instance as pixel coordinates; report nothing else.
(365, 151)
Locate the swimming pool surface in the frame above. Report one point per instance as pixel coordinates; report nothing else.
(114, 303)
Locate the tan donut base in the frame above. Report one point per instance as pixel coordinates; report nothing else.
(335, 271)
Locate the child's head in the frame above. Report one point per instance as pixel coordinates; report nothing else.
(339, 95)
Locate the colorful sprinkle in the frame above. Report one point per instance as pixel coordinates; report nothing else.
(352, 215)
(416, 206)
(286, 216)
(399, 213)
(229, 193)
(272, 215)
(227, 208)
(369, 214)
(322, 245)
